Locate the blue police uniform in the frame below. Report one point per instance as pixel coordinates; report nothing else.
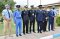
(45, 14)
(18, 21)
(39, 18)
(25, 17)
(32, 19)
(51, 15)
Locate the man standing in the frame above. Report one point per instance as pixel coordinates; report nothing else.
(55, 12)
(18, 20)
(32, 18)
(39, 18)
(25, 17)
(51, 15)
(7, 16)
(45, 14)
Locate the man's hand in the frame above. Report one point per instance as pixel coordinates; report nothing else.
(10, 19)
(4, 18)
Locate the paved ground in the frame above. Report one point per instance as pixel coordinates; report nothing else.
(34, 35)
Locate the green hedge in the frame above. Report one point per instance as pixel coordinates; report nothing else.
(58, 21)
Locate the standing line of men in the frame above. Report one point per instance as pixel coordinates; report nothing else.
(24, 17)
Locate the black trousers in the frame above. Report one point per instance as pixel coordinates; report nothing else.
(40, 26)
(44, 25)
(32, 23)
(25, 25)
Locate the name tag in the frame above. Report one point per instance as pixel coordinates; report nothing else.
(33, 14)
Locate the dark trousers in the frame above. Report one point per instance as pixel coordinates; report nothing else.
(32, 23)
(25, 24)
(51, 24)
(40, 25)
(44, 25)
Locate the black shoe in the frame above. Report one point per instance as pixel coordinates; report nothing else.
(52, 30)
(24, 33)
(16, 35)
(34, 32)
(43, 31)
(27, 33)
(20, 35)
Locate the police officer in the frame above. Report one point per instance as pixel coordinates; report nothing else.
(25, 16)
(39, 18)
(45, 14)
(51, 15)
(32, 18)
(18, 21)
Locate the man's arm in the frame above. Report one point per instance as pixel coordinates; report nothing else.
(3, 15)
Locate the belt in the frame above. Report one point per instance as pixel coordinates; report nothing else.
(18, 17)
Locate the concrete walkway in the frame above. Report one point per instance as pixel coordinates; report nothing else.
(34, 35)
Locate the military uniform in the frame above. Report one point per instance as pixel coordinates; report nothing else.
(51, 20)
(32, 19)
(25, 17)
(44, 20)
(39, 18)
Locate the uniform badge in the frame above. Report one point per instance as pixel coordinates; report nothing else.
(24, 12)
(33, 14)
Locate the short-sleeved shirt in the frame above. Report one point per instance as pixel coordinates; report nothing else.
(5, 13)
(55, 12)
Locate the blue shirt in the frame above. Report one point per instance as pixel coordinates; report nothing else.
(51, 13)
(55, 11)
(5, 13)
(17, 15)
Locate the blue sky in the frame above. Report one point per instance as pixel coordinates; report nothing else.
(35, 2)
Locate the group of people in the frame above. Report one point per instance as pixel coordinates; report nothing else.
(25, 20)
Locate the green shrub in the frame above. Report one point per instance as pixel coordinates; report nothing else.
(1, 7)
(1, 19)
(58, 21)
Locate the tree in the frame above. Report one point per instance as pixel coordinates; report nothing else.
(2, 4)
